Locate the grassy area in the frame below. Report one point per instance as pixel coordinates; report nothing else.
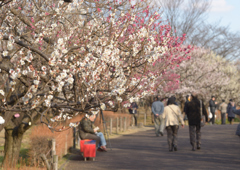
(1, 159)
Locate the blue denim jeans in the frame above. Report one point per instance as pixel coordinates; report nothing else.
(102, 139)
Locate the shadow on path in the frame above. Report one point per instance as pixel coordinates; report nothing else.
(143, 150)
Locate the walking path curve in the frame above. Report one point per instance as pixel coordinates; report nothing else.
(143, 150)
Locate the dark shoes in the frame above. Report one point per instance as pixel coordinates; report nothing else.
(194, 147)
(175, 148)
(102, 149)
(99, 150)
(198, 147)
(159, 133)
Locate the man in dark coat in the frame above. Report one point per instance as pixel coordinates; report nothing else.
(194, 121)
(213, 106)
(87, 130)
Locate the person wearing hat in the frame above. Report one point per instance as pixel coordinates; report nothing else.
(172, 116)
(230, 112)
(88, 131)
(213, 106)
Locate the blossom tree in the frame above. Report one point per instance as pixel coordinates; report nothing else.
(207, 74)
(59, 59)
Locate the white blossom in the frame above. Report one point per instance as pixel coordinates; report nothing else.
(2, 92)
(5, 53)
(36, 82)
(24, 72)
(9, 45)
(50, 97)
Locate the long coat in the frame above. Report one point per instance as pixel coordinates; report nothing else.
(193, 112)
(230, 110)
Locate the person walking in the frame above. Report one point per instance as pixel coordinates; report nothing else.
(194, 120)
(133, 110)
(172, 115)
(212, 105)
(223, 110)
(157, 110)
(230, 112)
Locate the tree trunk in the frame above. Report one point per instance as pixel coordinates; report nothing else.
(12, 146)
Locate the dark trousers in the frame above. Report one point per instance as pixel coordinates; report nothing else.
(93, 137)
(230, 119)
(195, 135)
(172, 135)
(213, 117)
(223, 118)
(135, 118)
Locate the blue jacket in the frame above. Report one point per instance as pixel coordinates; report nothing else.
(236, 111)
(157, 108)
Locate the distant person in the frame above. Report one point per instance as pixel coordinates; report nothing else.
(213, 106)
(194, 121)
(173, 116)
(133, 110)
(157, 110)
(230, 112)
(223, 110)
(88, 131)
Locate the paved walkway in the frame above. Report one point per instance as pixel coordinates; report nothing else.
(143, 150)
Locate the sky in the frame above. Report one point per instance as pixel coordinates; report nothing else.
(227, 12)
